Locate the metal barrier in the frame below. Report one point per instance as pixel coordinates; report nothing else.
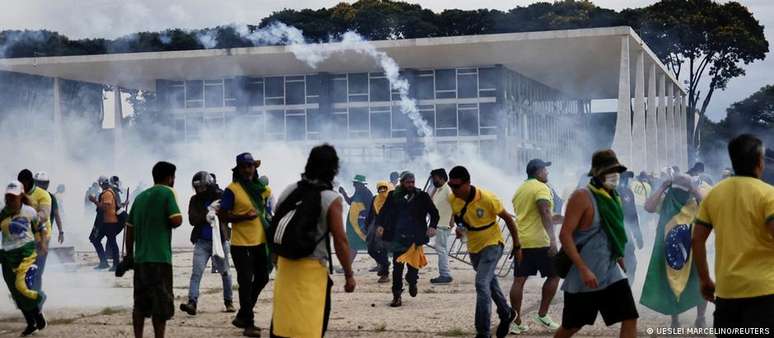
(459, 251)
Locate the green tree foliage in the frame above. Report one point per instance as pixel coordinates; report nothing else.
(706, 39)
(754, 115)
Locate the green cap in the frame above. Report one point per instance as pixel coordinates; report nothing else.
(360, 179)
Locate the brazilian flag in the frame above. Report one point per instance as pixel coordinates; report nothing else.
(356, 227)
(672, 284)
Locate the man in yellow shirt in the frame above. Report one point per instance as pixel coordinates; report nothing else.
(40, 200)
(475, 212)
(533, 203)
(244, 205)
(740, 209)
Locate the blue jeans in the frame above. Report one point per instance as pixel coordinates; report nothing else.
(442, 248)
(488, 289)
(202, 254)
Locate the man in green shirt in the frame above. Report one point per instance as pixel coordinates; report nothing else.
(149, 246)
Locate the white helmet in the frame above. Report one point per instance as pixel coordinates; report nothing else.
(40, 176)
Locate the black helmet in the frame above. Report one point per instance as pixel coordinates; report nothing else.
(202, 179)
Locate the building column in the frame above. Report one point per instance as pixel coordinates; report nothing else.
(683, 133)
(58, 127)
(676, 129)
(651, 123)
(685, 129)
(663, 159)
(670, 125)
(117, 121)
(639, 138)
(622, 139)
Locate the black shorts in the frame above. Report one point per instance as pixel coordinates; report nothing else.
(615, 302)
(534, 260)
(755, 312)
(153, 295)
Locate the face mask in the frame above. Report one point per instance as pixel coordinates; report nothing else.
(611, 181)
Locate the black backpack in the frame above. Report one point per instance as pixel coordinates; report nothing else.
(293, 230)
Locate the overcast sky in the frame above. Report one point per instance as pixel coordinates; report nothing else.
(111, 18)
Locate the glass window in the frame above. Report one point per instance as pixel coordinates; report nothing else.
(468, 88)
(445, 79)
(313, 85)
(275, 101)
(340, 121)
(358, 83)
(296, 126)
(193, 90)
(340, 90)
(429, 117)
(275, 121)
(488, 78)
(194, 94)
(254, 93)
(425, 88)
(313, 120)
(380, 90)
(446, 132)
(446, 116)
(380, 125)
(468, 122)
(399, 120)
(294, 93)
(177, 97)
(229, 92)
(213, 94)
(275, 86)
(358, 98)
(445, 95)
(488, 114)
(358, 119)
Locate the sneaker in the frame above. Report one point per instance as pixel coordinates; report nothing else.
(374, 269)
(441, 280)
(546, 322)
(505, 323)
(413, 290)
(383, 279)
(229, 306)
(519, 328)
(396, 301)
(252, 332)
(40, 321)
(189, 308)
(239, 323)
(102, 265)
(30, 329)
(112, 268)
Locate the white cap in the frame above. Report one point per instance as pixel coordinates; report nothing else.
(41, 176)
(14, 188)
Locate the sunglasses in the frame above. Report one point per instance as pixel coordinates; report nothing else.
(455, 186)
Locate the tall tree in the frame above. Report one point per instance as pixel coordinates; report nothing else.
(709, 41)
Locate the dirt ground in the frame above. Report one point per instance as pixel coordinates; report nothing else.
(86, 303)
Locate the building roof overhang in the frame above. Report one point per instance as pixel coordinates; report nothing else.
(581, 63)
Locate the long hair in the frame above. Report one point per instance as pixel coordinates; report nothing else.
(322, 165)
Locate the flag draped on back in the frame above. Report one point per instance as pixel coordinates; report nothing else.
(677, 213)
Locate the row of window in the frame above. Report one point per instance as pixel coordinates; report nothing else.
(356, 123)
(350, 87)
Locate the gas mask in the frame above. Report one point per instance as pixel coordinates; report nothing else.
(611, 181)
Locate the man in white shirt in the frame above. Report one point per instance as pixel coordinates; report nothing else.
(440, 198)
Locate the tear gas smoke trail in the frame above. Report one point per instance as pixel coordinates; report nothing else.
(315, 53)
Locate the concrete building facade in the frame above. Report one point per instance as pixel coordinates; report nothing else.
(515, 96)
